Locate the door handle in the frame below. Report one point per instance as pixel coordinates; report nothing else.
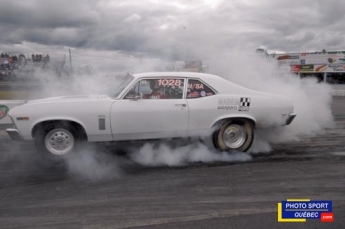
(182, 104)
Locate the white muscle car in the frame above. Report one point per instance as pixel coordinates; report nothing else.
(152, 106)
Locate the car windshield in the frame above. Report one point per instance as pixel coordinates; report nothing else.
(122, 85)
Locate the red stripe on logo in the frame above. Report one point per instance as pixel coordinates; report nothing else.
(327, 217)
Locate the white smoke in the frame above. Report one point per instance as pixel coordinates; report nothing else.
(92, 165)
(312, 105)
(164, 154)
(312, 100)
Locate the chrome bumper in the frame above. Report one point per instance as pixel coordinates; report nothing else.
(14, 134)
(290, 118)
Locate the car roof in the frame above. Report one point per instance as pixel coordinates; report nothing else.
(218, 83)
(203, 76)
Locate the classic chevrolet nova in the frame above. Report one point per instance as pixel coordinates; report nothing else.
(152, 106)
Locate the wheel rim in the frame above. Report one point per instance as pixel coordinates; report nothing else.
(59, 141)
(234, 136)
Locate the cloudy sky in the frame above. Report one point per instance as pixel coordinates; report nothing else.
(173, 29)
(121, 35)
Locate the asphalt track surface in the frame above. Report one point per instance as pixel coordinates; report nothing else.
(201, 195)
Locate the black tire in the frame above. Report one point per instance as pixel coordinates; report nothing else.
(243, 126)
(48, 128)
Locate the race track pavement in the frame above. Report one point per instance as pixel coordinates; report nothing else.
(123, 194)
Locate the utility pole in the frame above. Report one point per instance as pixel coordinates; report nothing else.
(70, 60)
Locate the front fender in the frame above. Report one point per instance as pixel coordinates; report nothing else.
(57, 118)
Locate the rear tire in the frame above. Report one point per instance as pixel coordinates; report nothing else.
(54, 141)
(234, 135)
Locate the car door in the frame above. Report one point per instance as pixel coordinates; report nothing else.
(153, 108)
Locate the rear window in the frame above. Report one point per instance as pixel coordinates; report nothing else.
(197, 89)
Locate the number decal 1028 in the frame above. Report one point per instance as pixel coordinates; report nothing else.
(169, 82)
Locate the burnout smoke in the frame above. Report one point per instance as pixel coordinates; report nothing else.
(312, 104)
(312, 100)
(92, 165)
(165, 154)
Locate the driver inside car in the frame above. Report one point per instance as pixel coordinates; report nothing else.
(156, 92)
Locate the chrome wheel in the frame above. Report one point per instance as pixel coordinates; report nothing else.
(59, 141)
(234, 136)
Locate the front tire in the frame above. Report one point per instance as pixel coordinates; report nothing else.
(234, 135)
(54, 141)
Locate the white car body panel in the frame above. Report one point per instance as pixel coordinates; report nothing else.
(124, 119)
(146, 119)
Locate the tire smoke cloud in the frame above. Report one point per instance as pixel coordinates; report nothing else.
(161, 154)
(312, 100)
(312, 104)
(92, 165)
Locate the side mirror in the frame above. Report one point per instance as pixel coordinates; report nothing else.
(136, 97)
(132, 95)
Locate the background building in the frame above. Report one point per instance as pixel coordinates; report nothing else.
(327, 66)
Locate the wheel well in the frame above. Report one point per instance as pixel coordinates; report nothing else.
(240, 120)
(66, 122)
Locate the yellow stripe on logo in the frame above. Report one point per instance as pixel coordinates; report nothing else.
(298, 200)
(281, 220)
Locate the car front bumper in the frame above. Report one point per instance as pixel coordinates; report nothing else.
(14, 134)
(290, 118)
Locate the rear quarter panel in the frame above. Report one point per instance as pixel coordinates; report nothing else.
(204, 112)
(264, 110)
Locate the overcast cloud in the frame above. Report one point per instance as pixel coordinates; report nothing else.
(173, 29)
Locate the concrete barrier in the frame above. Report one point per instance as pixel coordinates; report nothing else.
(338, 93)
(338, 90)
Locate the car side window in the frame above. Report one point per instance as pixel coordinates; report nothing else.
(197, 89)
(160, 88)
